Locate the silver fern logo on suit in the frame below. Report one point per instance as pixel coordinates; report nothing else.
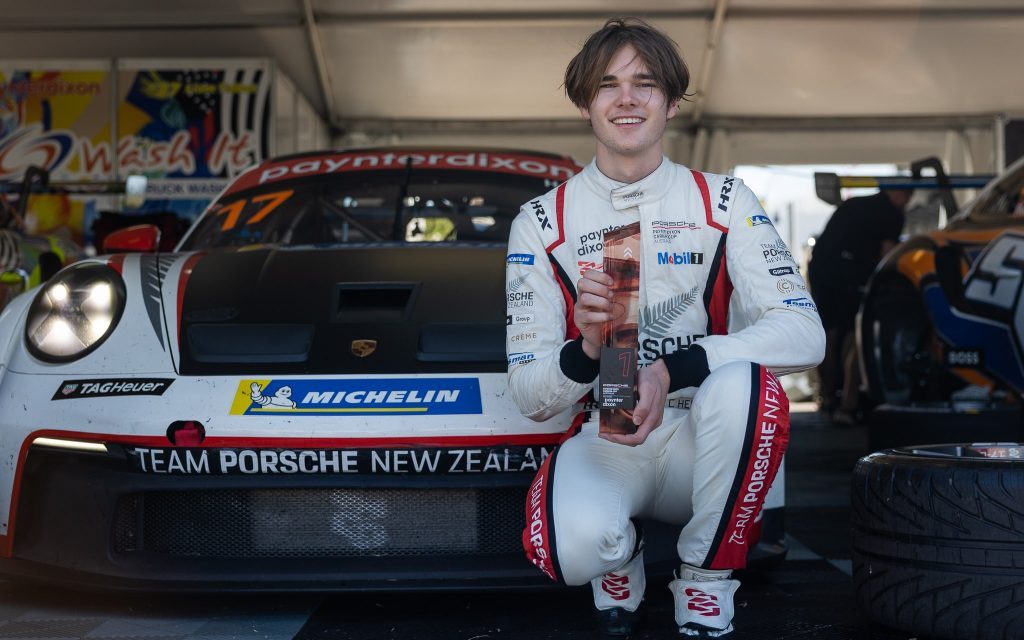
(657, 321)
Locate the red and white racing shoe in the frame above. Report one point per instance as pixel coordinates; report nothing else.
(703, 600)
(617, 597)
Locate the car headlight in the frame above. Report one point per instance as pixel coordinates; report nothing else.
(74, 312)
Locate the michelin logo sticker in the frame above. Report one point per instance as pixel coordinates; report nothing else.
(519, 258)
(395, 396)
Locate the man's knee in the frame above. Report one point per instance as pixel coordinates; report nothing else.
(729, 375)
(588, 548)
(732, 394)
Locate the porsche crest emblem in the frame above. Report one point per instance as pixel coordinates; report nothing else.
(363, 348)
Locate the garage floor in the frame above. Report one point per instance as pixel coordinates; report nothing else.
(810, 596)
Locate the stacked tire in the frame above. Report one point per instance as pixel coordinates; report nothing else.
(938, 540)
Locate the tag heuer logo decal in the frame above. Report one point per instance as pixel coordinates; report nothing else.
(363, 348)
(111, 387)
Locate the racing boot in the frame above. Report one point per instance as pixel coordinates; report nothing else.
(703, 600)
(618, 595)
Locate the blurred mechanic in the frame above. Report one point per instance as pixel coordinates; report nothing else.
(858, 234)
(722, 308)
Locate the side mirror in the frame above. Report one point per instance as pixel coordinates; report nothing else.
(142, 238)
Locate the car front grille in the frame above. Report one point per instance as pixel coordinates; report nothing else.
(312, 523)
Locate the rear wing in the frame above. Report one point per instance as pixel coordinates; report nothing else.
(827, 185)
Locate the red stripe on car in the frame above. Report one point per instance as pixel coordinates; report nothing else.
(186, 273)
(317, 164)
(222, 442)
(117, 263)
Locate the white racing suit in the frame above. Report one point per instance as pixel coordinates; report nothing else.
(714, 273)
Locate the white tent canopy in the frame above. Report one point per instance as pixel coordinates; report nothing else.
(778, 80)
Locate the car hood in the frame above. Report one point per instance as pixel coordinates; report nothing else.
(356, 309)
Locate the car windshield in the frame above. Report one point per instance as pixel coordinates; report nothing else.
(362, 206)
(1003, 199)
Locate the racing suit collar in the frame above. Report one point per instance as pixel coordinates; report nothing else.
(626, 196)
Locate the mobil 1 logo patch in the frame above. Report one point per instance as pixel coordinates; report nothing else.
(686, 257)
(111, 387)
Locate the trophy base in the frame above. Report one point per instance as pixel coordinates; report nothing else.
(617, 421)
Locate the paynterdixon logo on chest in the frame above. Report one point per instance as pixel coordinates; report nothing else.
(593, 241)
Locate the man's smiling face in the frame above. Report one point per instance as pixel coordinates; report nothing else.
(629, 113)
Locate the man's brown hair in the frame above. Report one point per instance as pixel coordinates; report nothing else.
(659, 52)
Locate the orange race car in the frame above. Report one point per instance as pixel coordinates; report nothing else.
(941, 328)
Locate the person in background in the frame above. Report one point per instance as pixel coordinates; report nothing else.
(859, 233)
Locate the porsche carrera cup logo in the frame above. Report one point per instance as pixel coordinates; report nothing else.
(363, 348)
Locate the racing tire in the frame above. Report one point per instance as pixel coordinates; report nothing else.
(938, 540)
(891, 425)
(893, 335)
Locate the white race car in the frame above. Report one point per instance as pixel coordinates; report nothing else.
(310, 393)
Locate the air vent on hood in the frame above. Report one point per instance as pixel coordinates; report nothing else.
(375, 301)
(462, 343)
(250, 342)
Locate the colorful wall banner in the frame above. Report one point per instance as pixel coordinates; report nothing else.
(189, 127)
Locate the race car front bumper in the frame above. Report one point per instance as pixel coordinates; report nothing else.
(95, 520)
(91, 520)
